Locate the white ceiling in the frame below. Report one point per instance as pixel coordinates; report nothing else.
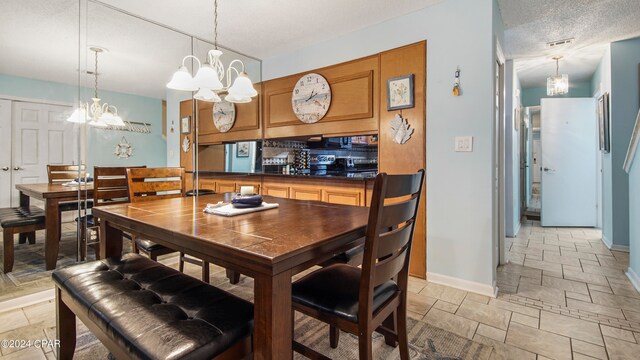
(39, 39)
(530, 24)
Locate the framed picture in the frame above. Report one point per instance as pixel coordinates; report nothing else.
(242, 149)
(185, 125)
(603, 122)
(400, 92)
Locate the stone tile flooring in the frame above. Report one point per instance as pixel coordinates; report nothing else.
(563, 295)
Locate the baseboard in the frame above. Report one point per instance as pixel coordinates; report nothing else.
(518, 226)
(635, 279)
(466, 285)
(27, 300)
(614, 247)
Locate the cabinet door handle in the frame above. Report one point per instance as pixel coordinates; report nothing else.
(17, 168)
(6, 168)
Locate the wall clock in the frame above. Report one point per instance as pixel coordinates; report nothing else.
(224, 115)
(311, 98)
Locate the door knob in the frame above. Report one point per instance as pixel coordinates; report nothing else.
(17, 168)
(547, 170)
(6, 168)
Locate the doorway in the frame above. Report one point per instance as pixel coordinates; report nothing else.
(531, 159)
(33, 134)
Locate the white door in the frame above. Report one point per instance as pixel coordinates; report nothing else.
(569, 149)
(5, 153)
(536, 161)
(41, 136)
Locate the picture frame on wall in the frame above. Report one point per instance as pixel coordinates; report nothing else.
(185, 125)
(242, 149)
(400, 92)
(603, 123)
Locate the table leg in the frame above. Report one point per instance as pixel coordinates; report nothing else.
(24, 202)
(110, 240)
(52, 240)
(273, 332)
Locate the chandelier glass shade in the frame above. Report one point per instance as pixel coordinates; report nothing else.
(558, 84)
(96, 114)
(209, 76)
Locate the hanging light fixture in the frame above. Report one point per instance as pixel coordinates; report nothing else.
(558, 84)
(96, 114)
(208, 79)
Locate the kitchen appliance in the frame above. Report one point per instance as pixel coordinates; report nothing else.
(354, 167)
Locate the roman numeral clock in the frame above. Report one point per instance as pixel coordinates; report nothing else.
(311, 98)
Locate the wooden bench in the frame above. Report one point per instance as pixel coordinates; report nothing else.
(141, 309)
(24, 220)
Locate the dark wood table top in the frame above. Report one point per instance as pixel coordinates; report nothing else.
(266, 241)
(46, 190)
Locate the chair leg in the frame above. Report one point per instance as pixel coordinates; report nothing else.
(153, 256)
(65, 329)
(334, 336)
(181, 262)
(390, 325)
(8, 250)
(205, 272)
(364, 345)
(83, 242)
(233, 276)
(31, 237)
(401, 330)
(22, 238)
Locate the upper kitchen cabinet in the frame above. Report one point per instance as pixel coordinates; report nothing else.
(245, 119)
(353, 109)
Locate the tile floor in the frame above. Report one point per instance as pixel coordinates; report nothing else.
(564, 295)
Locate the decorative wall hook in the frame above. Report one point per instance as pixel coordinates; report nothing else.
(124, 150)
(456, 83)
(400, 129)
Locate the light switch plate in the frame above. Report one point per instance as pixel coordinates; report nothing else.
(464, 143)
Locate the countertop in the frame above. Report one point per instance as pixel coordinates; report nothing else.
(319, 177)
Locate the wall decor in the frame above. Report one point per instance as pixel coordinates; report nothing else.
(131, 126)
(456, 83)
(516, 118)
(124, 150)
(224, 115)
(185, 125)
(603, 122)
(400, 129)
(633, 145)
(400, 92)
(311, 98)
(242, 149)
(186, 144)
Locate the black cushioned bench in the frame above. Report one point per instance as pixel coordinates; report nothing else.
(24, 220)
(141, 309)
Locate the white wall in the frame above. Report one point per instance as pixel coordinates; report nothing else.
(460, 239)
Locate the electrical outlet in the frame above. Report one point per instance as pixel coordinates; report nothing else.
(464, 143)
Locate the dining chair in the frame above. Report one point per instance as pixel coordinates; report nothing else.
(60, 174)
(145, 184)
(109, 188)
(374, 297)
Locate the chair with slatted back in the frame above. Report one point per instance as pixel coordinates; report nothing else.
(60, 174)
(373, 298)
(147, 184)
(109, 188)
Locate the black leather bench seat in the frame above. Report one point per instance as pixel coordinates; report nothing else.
(156, 312)
(21, 216)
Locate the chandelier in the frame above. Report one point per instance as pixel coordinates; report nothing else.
(558, 84)
(209, 76)
(96, 114)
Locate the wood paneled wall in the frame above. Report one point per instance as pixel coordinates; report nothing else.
(395, 158)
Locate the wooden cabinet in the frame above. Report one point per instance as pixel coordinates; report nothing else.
(254, 184)
(223, 186)
(246, 127)
(186, 158)
(270, 189)
(344, 196)
(208, 184)
(354, 102)
(301, 192)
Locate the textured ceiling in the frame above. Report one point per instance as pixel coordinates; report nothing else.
(39, 39)
(530, 24)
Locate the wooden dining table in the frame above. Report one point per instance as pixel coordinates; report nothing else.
(270, 246)
(52, 195)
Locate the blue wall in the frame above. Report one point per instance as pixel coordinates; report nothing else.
(149, 149)
(625, 56)
(532, 96)
(458, 184)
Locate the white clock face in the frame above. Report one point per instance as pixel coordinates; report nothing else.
(311, 98)
(224, 115)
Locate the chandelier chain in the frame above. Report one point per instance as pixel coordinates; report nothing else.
(96, 76)
(215, 24)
